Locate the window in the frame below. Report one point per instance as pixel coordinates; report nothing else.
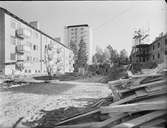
(29, 71)
(36, 35)
(18, 42)
(18, 25)
(165, 41)
(29, 44)
(165, 52)
(13, 25)
(82, 28)
(45, 46)
(153, 47)
(153, 57)
(158, 55)
(34, 47)
(29, 58)
(25, 71)
(12, 40)
(12, 56)
(158, 45)
(33, 58)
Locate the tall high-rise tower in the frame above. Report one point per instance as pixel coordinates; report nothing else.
(75, 33)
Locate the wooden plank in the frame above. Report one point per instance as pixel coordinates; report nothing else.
(84, 125)
(79, 116)
(144, 75)
(110, 120)
(124, 100)
(155, 127)
(152, 123)
(155, 99)
(157, 83)
(158, 92)
(135, 107)
(141, 92)
(94, 124)
(140, 120)
(160, 87)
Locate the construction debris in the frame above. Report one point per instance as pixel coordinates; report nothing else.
(139, 102)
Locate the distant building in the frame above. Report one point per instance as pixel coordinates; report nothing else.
(24, 49)
(154, 52)
(75, 33)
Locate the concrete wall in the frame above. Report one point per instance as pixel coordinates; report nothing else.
(159, 48)
(156, 51)
(31, 56)
(34, 54)
(2, 42)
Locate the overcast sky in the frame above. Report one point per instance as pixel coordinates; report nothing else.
(112, 22)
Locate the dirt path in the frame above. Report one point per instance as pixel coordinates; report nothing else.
(27, 101)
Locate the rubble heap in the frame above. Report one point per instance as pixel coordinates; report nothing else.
(138, 102)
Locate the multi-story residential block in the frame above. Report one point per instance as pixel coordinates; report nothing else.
(155, 52)
(158, 49)
(75, 33)
(26, 49)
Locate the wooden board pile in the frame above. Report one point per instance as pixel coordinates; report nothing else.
(139, 102)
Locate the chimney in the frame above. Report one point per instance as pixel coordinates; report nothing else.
(58, 39)
(34, 24)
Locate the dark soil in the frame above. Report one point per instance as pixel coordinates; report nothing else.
(51, 118)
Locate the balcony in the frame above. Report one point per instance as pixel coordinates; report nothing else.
(50, 57)
(23, 33)
(19, 66)
(50, 46)
(20, 49)
(59, 59)
(59, 50)
(20, 58)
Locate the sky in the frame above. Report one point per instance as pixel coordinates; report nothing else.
(111, 22)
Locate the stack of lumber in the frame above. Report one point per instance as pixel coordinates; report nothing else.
(139, 102)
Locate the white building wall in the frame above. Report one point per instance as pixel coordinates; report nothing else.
(33, 54)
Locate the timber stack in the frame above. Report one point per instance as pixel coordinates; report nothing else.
(138, 102)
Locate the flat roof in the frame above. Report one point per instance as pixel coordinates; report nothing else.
(81, 25)
(142, 45)
(26, 23)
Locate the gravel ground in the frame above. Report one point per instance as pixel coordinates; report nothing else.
(27, 101)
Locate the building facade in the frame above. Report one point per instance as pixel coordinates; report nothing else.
(75, 34)
(24, 49)
(155, 52)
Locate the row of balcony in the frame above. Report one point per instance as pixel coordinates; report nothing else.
(20, 49)
(23, 33)
(19, 66)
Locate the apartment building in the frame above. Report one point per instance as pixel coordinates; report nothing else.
(158, 49)
(75, 33)
(155, 52)
(24, 49)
